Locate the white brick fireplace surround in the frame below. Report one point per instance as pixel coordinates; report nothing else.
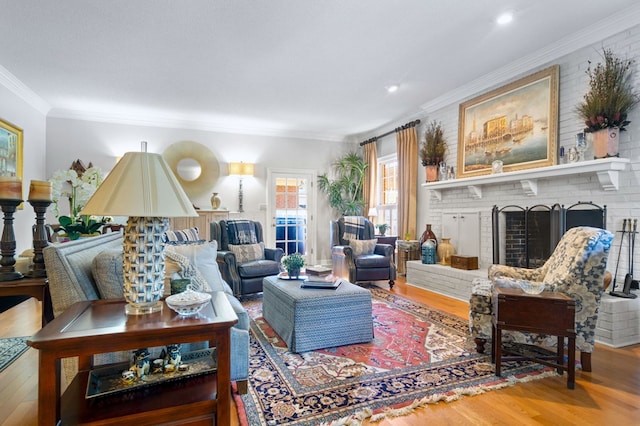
(609, 182)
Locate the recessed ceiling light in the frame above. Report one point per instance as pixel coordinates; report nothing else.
(504, 18)
(393, 88)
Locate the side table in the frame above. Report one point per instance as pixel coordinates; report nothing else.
(92, 327)
(545, 313)
(407, 250)
(34, 287)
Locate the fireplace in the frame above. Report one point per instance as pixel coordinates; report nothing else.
(526, 236)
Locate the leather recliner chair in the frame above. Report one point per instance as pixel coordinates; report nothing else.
(375, 266)
(244, 265)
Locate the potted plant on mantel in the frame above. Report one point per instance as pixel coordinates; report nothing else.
(605, 106)
(433, 149)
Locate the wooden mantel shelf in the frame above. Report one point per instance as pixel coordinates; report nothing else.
(606, 169)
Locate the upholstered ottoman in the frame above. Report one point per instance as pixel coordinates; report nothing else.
(311, 318)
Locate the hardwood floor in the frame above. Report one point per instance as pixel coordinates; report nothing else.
(608, 395)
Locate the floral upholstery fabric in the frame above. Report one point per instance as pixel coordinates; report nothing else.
(576, 268)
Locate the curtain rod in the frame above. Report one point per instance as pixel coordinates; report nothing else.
(397, 129)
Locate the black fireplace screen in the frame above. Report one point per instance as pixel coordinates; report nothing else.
(526, 236)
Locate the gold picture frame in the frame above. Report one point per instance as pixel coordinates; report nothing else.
(10, 150)
(516, 124)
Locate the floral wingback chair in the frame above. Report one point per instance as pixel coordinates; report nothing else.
(576, 268)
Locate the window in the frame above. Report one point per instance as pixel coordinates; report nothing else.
(387, 197)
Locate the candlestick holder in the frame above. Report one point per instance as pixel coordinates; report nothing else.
(40, 240)
(8, 242)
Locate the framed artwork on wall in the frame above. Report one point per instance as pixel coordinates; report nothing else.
(10, 150)
(516, 124)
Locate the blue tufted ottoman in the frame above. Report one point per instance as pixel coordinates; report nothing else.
(311, 318)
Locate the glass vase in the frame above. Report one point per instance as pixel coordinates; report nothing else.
(428, 235)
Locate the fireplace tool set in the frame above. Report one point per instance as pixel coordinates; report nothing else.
(629, 282)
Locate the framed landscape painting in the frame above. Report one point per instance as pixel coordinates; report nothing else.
(516, 124)
(10, 150)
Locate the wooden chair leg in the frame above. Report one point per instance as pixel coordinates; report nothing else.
(243, 386)
(391, 283)
(480, 344)
(585, 360)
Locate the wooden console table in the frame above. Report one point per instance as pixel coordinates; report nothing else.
(549, 313)
(101, 326)
(34, 287)
(202, 222)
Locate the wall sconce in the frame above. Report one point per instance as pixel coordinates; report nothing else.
(240, 169)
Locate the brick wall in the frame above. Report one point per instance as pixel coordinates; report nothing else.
(623, 203)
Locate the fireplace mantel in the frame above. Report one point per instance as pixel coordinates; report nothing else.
(606, 169)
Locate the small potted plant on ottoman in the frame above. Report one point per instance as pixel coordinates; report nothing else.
(293, 263)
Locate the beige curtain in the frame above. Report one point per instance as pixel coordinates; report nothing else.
(370, 178)
(407, 142)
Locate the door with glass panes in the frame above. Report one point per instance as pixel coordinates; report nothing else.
(291, 203)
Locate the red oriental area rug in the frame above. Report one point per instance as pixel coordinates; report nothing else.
(418, 356)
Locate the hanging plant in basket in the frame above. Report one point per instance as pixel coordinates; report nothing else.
(606, 105)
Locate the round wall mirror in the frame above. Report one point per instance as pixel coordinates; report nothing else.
(195, 167)
(189, 169)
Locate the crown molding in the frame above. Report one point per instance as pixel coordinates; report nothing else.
(18, 88)
(591, 34)
(176, 123)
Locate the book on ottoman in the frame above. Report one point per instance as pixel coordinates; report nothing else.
(318, 270)
(328, 281)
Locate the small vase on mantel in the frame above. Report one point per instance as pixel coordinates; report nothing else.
(215, 201)
(428, 235)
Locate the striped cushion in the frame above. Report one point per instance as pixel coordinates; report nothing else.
(190, 234)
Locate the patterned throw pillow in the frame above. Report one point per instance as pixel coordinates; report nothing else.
(197, 259)
(247, 252)
(190, 234)
(361, 247)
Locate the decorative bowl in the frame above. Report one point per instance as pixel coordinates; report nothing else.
(531, 287)
(188, 302)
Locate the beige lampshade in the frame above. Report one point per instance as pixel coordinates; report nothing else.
(142, 185)
(241, 169)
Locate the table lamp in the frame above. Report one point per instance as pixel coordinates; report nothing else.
(142, 187)
(372, 213)
(240, 169)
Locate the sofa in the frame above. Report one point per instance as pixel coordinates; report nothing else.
(91, 269)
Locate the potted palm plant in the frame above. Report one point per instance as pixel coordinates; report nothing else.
(606, 105)
(433, 149)
(345, 191)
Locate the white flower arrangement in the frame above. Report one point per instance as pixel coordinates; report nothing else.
(66, 184)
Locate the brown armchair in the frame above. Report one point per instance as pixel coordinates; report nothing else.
(360, 259)
(242, 257)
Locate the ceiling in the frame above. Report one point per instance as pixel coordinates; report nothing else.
(314, 69)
